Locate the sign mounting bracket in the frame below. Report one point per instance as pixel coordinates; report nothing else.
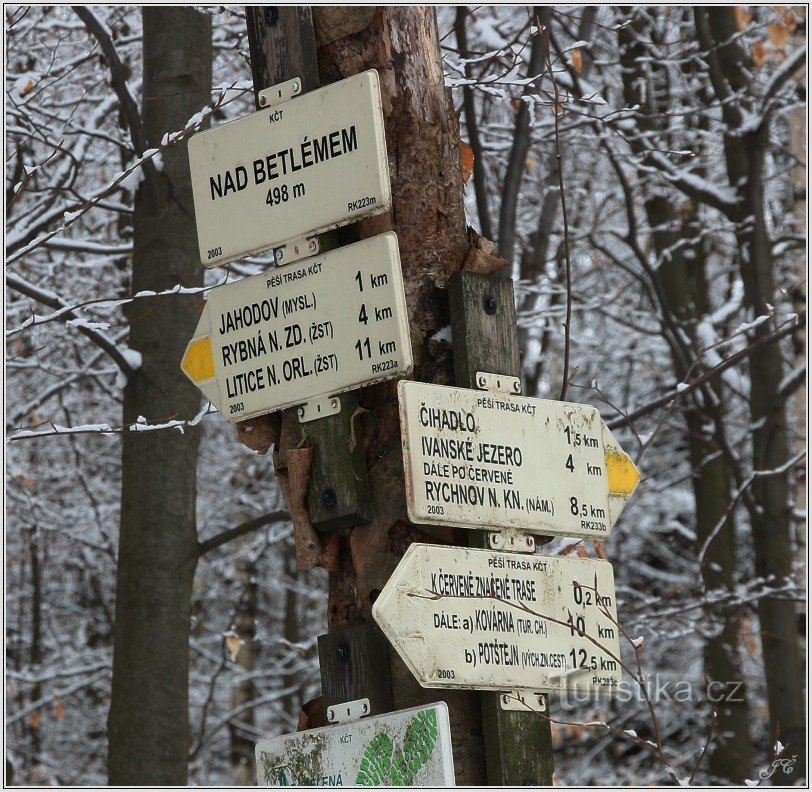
(512, 386)
(523, 701)
(348, 712)
(279, 93)
(511, 540)
(318, 408)
(296, 250)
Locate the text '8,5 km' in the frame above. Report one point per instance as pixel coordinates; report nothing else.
(484, 459)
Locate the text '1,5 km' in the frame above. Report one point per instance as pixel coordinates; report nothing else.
(489, 620)
(485, 459)
(319, 327)
(301, 167)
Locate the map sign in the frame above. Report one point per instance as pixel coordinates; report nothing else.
(483, 459)
(489, 620)
(314, 328)
(301, 167)
(407, 748)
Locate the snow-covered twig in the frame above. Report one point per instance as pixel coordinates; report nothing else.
(105, 429)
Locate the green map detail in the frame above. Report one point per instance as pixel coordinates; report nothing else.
(266, 768)
(417, 747)
(379, 766)
(375, 762)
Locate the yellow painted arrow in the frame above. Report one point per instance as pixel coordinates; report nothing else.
(198, 362)
(621, 472)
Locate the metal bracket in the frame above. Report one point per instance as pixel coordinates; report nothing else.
(277, 94)
(512, 386)
(318, 408)
(296, 250)
(511, 540)
(349, 712)
(523, 701)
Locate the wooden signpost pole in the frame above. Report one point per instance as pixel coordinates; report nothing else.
(518, 745)
(283, 46)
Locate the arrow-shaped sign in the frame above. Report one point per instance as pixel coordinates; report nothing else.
(312, 329)
(485, 459)
(488, 620)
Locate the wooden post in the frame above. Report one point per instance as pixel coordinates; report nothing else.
(354, 665)
(518, 745)
(283, 46)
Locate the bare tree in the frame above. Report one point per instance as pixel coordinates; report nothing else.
(148, 724)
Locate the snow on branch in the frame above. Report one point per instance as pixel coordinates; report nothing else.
(103, 302)
(140, 425)
(96, 335)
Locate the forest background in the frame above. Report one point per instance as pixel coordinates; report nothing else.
(678, 138)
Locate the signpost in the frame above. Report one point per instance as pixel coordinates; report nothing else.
(407, 748)
(488, 620)
(316, 328)
(481, 459)
(299, 167)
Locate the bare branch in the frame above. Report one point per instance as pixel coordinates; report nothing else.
(118, 78)
(243, 528)
(52, 300)
(785, 330)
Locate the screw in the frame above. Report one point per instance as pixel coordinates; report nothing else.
(505, 698)
(294, 87)
(328, 498)
(517, 386)
(530, 542)
(330, 714)
(271, 15)
(342, 652)
(481, 382)
(333, 403)
(300, 412)
(263, 100)
(489, 304)
(279, 254)
(364, 708)
(311, 245)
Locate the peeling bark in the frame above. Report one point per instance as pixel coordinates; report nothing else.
(422, 135)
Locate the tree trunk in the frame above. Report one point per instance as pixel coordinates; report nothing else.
(772, 521)
(730, 754)
(148, 724)
(472, 127)
(422, 138)
(243, 692)
(520, 145)
(684, 289)
(292, 702)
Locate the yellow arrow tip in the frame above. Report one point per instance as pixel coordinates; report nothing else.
(622, 473)
(198, 362)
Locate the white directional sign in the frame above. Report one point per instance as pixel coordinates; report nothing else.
(489, 620)
(301, 167)
(484, 459)
(407, 748)
(318, 327)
